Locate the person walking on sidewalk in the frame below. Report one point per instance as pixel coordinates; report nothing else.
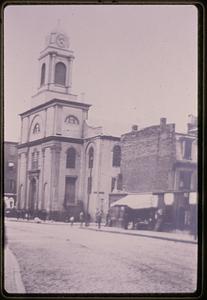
(87, 219)
(81, 217)
(71, 221)
(99, 218)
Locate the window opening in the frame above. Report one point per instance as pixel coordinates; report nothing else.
(90, 158)
(71, 120)
(60, 73)
(71, 158)
(36, 128)
(116, 156)
(42, 81)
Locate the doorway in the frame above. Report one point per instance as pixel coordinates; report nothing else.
(32, 194)
(70, 187)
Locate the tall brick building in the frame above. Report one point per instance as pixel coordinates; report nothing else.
(157, 158)
(159, 161)
(65, 165)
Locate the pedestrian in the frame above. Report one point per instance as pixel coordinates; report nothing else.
(126, 220)
(159, 219)
(71, 221)
(98, 218)
(44, 214)
(107, 219)
(87, 219)
(81, 217)
(26, 216)
(18, 214)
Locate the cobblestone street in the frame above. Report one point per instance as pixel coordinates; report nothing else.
(58, 258)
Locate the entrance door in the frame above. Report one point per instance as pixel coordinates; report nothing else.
(33, 194)
(70, 184)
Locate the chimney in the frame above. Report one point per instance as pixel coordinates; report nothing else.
(134, 128)
(192, 123)
(163, 122)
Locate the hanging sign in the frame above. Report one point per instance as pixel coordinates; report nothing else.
(169, 198)
(193, 198)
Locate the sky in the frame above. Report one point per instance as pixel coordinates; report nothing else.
(134, 63)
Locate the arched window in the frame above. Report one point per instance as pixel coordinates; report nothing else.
(60, 73)
(42, 80)
(90, 157)
(116, 156)
(71, 120)
(71, 157)
(36, 128)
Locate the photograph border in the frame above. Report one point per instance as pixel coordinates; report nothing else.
(201, 292)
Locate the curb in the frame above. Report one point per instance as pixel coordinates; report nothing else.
(118, 232)
(145, 235)
(13, 283)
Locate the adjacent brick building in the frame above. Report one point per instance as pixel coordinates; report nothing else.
(157, 158)
(10, 173)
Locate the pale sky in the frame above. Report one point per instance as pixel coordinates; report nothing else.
(134, 63)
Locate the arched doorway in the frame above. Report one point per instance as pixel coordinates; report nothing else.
(32, 194)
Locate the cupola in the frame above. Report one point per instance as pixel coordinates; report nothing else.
(55, 68)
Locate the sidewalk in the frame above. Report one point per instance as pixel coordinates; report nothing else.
(171, 236)
(12, 277)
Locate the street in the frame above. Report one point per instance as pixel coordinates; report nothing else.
(58, 258)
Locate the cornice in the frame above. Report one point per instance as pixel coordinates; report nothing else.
(50, 138)
(55, 101)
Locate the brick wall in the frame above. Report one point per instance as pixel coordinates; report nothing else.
(147, 159)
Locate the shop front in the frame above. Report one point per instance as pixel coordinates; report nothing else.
(160, 212)
(135, 211)
(180, 211)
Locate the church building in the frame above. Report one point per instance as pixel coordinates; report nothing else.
(64, 165)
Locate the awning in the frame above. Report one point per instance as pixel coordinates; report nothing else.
(193, 198)
(138, 201)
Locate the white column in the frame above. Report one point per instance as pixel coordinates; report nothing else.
(43, 175)
(69, 82)
(26, 194)
(52, 74)
(19, 200)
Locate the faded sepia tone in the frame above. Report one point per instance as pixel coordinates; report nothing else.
(101, 170)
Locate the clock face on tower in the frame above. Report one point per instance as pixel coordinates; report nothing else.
(61, 40)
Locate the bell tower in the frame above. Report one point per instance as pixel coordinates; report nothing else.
(55, 69)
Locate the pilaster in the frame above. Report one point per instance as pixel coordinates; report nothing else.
(55, 169)
(43, 176)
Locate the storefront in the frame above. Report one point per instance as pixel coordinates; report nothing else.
(160, 212)
(180, 211)
(135, 211)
